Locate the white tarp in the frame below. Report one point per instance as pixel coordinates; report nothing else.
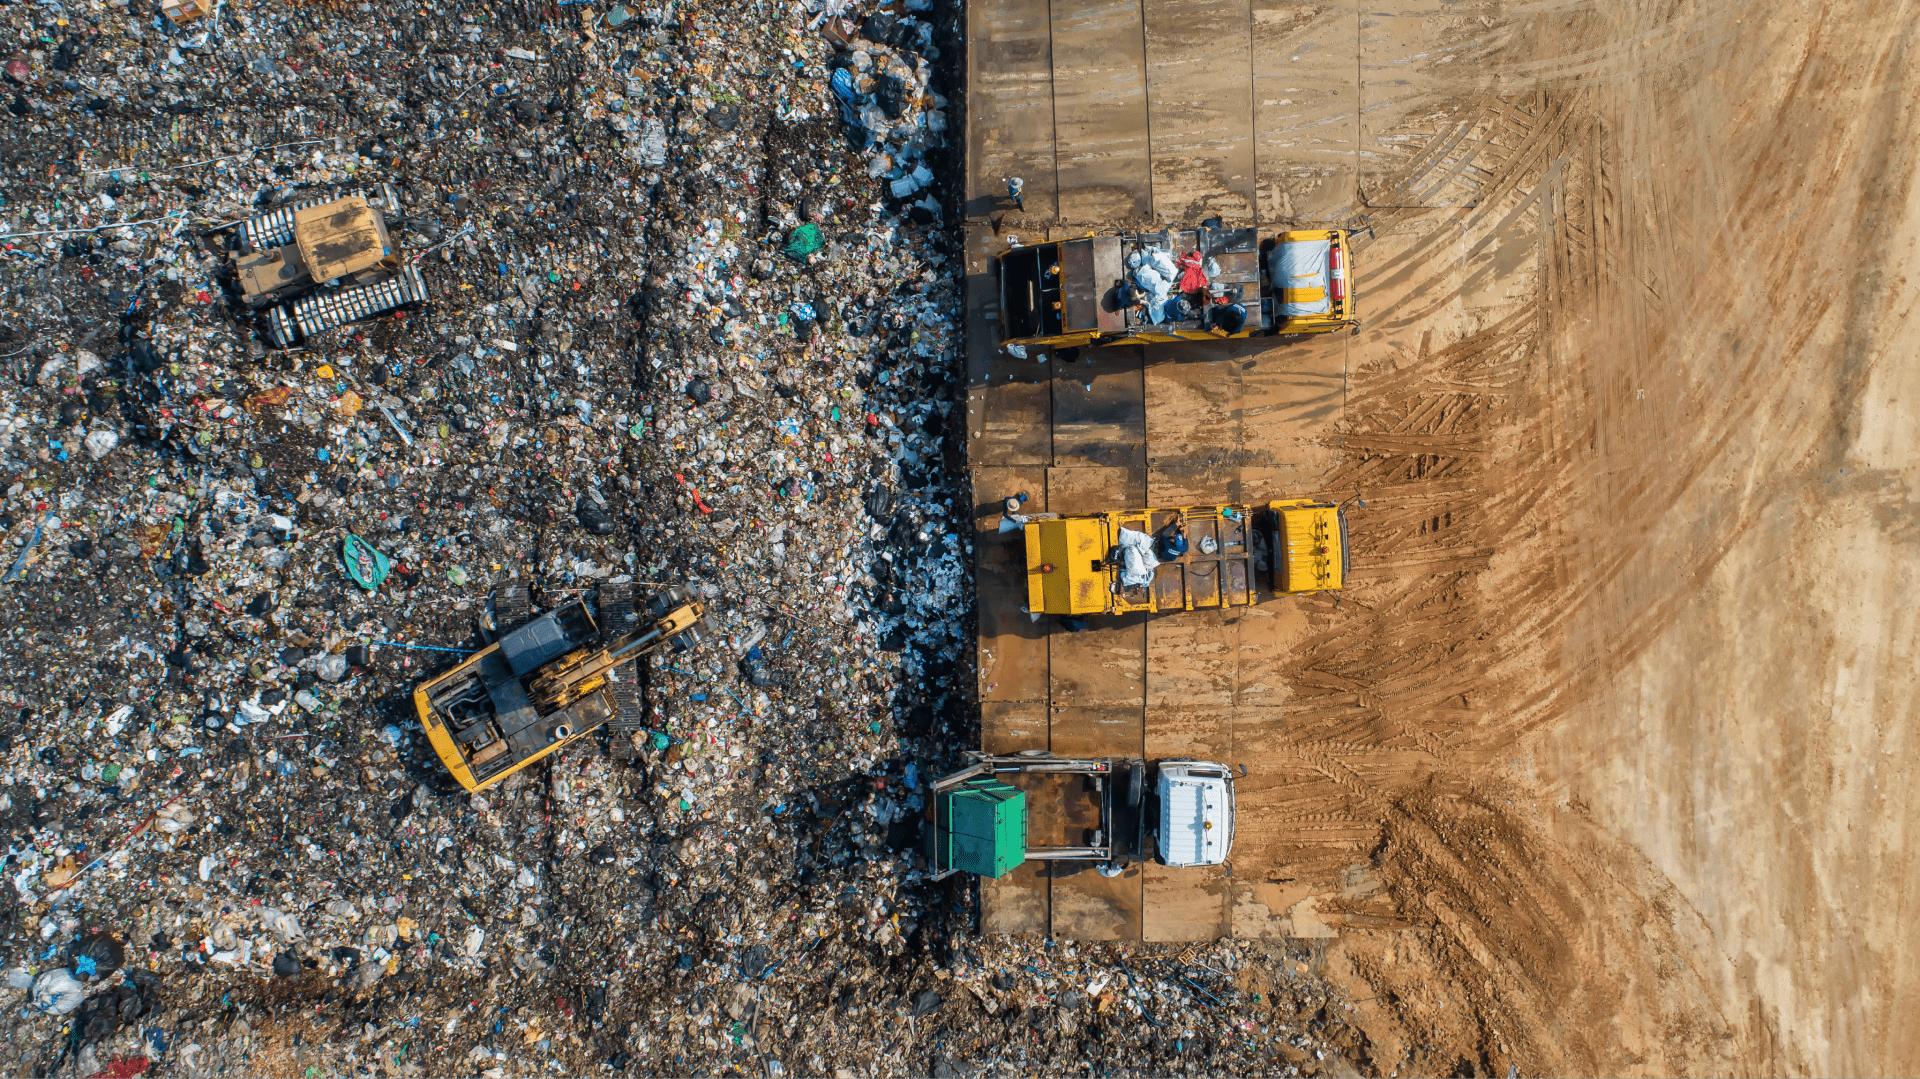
(1155, 273)
(1302, 265)
(1137, 560)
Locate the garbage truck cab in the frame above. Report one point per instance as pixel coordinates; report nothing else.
(1307, 540)
(1126, 288)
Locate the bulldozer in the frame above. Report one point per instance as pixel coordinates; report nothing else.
(552, 679)
(313, 266)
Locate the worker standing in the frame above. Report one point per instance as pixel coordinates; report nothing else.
(1015, 186)
(1011, 519)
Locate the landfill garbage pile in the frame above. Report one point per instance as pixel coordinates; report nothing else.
(694, 317)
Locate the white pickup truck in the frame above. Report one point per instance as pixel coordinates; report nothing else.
(1076, 813)
(1195, 812)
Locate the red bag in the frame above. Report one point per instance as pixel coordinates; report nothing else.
(1195, 278)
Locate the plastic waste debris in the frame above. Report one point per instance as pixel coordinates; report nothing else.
(58, 992)
(365, 563)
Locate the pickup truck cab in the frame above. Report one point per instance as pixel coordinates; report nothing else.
(1195, 812)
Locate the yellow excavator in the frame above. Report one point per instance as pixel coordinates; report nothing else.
(551, 681)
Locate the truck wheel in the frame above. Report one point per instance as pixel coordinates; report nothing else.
(1136, 782)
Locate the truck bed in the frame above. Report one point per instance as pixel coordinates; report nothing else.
(1196, 579)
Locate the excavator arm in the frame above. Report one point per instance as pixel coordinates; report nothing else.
(577, 674)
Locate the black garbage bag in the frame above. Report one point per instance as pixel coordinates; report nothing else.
(878, 26)
(286, 964)
(593, 518)
(97, 954)
(890, 93)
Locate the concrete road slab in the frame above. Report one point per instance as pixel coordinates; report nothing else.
(1200, 110)
(1413, 96)
(1012, 410)
(1015, 903)
(1100, 111)
(1012, 660)
(1192, 396)
(1010, 107)
(1011, 726)
(1190, 731)
(1102, 666)
(1192, 661)
(1091, 906)
(1095, 490)
(1088, 731)
(1306, 111)
(1099, 409)
(1292, 393)
(1184, 904)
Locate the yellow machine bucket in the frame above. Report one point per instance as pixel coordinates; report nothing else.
(1309, 545)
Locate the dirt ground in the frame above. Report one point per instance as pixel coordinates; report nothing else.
(1626, 684)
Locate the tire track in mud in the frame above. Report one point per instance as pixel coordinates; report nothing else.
(1456, 455)
(1459, 449)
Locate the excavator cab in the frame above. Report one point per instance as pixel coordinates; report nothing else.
(550, 680)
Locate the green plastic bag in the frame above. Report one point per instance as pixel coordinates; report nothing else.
(364, 562)
(804, 241)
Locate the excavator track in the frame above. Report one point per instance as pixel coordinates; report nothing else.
(511, 608)
(616, 614)
(629, 709)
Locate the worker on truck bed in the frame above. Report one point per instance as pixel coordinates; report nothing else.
(1172, 541)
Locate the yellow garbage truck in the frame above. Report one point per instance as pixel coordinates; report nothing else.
(1182, 559)
(1130, 288)
(1111, 563)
